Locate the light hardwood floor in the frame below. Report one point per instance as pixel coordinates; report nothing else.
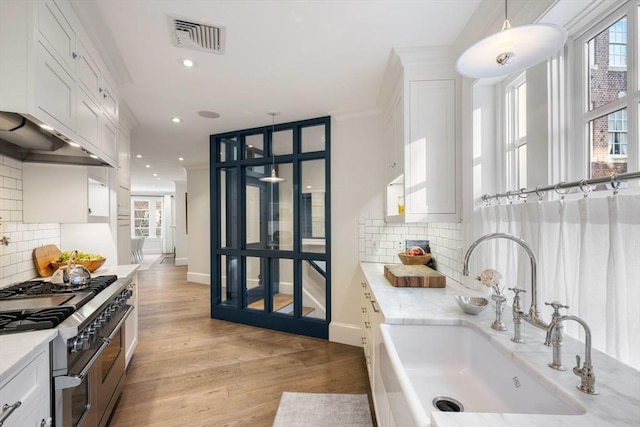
(191, 370)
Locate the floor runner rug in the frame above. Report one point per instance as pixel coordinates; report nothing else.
(323, 410)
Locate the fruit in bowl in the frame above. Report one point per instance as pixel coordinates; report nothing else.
(415, 255)
(91, 261)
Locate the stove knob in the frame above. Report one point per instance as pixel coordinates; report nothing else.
(84, 341)
(101, 320)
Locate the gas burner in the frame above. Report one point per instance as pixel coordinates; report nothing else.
(20, 321)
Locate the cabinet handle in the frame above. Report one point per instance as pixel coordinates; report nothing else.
(367, 324)
(363, 284)
(374, 305)
(7, 410)
(367, 295)
(75, 55)
(364, 310)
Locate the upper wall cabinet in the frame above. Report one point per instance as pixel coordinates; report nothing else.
(51, 72)
(421, 103)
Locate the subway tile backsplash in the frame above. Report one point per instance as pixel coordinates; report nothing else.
(16, 261)
(380, 242)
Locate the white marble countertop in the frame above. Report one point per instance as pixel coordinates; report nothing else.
(17, 349)
(618, 403)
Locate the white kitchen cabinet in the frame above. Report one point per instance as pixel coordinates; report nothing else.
(131, 324)
(420, 98)
(431, 168)
(30, 386)
(49, 72)
(62, 194)
(124, 160)
(371, 341)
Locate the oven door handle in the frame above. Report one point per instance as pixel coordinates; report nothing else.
(69, 381)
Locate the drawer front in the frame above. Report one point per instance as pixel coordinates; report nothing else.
(30, 387)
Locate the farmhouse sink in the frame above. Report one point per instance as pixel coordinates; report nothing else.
(454, 368)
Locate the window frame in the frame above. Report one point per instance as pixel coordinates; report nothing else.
(513, 141)
(579, 149)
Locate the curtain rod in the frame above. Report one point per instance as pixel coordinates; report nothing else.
(614, 180)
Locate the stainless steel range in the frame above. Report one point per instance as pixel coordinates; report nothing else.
(88, 354)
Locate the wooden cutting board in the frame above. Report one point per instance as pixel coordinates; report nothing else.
(414, 276)
(42, 258)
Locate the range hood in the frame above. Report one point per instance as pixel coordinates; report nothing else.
(24, 140)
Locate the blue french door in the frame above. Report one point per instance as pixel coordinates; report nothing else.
(270, 248)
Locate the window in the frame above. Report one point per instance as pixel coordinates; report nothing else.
(516, 133)
(609, 97)
(617, 122)
(147, 217)
(618, 44)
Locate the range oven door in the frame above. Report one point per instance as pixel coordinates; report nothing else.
(86, 396)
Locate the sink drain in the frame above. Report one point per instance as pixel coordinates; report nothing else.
(447, 404)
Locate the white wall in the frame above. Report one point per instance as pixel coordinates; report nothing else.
(357, 185)
(199, 231)
(16, 262)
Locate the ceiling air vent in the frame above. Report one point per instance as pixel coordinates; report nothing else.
(198, 36)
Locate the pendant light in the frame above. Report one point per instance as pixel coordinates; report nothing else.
(511, 50)
(273, 177)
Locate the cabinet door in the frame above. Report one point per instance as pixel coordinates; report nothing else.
(88, 117)
(88, 72)
(124, 202)
(57, 34)
(124, 159)
(109, 98)
(55, 91)
(431, 165)
(398, 137)
(109, 141)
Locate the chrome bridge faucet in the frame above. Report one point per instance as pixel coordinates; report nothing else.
(533, 317)
(586, 374)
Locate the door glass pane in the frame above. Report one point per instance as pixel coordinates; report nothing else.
(312, 139)
(254, 146)
(282, 286)
(314, 290)
(280, 210)
(283, 142)
(228, 208)
(608, 142)
(254, 286)
(312, 206)
(608, 65)
(229, 280)
(228, 150)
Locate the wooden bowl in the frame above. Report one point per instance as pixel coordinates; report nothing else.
(414, 259)
(91, 265)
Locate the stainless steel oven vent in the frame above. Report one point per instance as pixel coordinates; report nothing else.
(198, 36)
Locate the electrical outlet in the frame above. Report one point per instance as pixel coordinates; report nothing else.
(399, 245)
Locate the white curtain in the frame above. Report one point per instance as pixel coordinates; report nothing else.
(588, 257)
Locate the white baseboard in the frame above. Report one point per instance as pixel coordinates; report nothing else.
(201, 278)
(181, 261)
(345, 333)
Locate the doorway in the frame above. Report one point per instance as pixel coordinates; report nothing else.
(270, 250)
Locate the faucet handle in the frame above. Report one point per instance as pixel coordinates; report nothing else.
(577, 361)
(557, 305)
(517, 291)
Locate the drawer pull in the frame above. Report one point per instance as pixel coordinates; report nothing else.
(363, 284)
(7, 410)
(374, 304)
(367, 325)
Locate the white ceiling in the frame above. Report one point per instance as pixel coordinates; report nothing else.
(303, 59)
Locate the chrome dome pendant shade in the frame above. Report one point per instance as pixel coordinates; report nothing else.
(511, 50)
(273, 177)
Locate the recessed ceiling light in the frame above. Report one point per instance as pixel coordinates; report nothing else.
(157, 178)
(155, 174)
(208, 114)
(139, 156)
(181, 158)
(147, 166)
(176, 119)
(188, 62)
(308, 186)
